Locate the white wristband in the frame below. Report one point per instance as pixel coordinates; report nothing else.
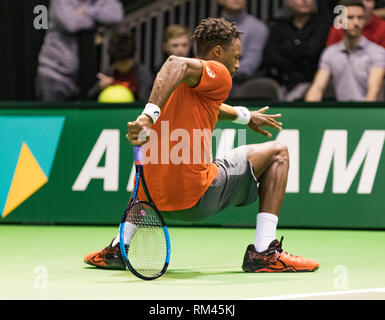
(152, 110)
(243, 115)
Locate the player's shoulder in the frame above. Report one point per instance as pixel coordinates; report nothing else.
(215, 68)
(216, 80)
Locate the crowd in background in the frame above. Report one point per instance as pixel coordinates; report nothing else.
(301, 53)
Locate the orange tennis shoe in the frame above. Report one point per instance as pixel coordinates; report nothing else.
(107, 258)
(274, 259)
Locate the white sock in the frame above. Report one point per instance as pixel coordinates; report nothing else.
(266, 230)
(129, 231)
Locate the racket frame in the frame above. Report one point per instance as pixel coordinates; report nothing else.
(140, 177)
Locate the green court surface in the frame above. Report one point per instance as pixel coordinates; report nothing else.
(46, 262)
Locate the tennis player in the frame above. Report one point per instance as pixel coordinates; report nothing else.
(187, 99)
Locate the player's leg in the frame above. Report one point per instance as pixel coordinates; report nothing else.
(111, 257)
(238, 173)
(270, 163)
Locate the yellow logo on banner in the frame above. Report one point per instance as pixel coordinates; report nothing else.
(27, 179)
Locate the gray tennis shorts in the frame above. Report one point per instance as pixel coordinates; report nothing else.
(234, 186)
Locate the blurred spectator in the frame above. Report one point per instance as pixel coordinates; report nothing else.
(294, 47)
(380, 9)
(356, 64)
(125, 69)
(58, 69)
(374, 29)
(327, 6)
(176, 42)
(253, 39)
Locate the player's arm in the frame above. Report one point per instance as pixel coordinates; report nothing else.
(376, 77)
(255, 120)
(227, 112)
(173, 72)
(318, 86)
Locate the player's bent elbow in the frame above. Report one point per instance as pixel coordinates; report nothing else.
(177, 63)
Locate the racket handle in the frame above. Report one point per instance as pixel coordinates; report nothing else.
(138, 156)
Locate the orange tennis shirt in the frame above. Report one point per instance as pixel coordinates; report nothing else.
(177, 160)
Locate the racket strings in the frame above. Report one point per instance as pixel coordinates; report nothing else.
(147, 248)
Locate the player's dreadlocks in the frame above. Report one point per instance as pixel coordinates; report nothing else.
(212, 32)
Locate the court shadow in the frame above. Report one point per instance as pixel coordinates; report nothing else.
(186, 274)
(218, 276)
(209, 275)
(180, 274)
(102, 269)
(192, 274)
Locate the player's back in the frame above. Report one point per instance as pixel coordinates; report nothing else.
(178, 167)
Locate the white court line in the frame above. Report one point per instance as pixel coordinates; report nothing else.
(318, 294)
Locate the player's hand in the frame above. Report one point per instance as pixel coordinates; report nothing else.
(138, 131)
(259, 119)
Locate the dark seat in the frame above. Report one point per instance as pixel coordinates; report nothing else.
(264, 89)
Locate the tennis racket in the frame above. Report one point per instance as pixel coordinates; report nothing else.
(144, 238)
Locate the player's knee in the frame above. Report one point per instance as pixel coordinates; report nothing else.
(281, 152)
(273, 151)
